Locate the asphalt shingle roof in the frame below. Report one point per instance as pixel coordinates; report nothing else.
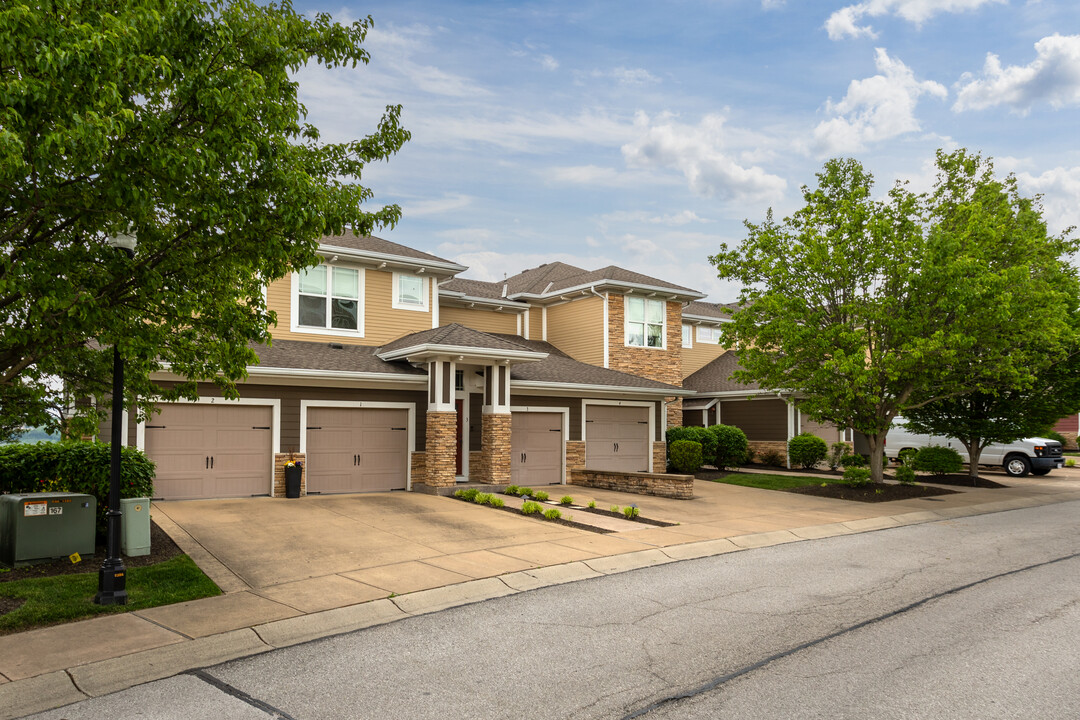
(716, 376)
(475, 288)
(456, 335)
(708, 309)
(297, 354)
(558, 367)
(350, 239)
(561, 276)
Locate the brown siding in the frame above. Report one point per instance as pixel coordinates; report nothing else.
(476, 408)
(290, 405)
(759, 419)
(483, 320)
(382, 323)
(698, 355)
(574, 404)
(577, 328)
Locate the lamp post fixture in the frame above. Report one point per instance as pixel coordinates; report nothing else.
(112, 576)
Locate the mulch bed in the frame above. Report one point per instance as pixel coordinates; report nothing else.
(620, 516)
(580, 526)
(960, 481)
(874, 492)
(161, 548)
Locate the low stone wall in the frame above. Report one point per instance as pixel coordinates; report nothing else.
(418, 468)
(680, 487)
(764, 446)
(279, 473)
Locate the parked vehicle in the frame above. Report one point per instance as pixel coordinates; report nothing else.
(1037, 456)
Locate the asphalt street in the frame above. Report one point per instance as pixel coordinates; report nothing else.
(976, 617)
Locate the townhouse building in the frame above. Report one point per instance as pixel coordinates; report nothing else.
(388, 371)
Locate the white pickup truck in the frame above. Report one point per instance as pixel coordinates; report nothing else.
(1035, 455)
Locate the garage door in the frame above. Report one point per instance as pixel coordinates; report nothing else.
(210, 451)
(356, 449)
(617, 438)
(536, 448)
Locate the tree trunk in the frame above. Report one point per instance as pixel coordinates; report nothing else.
(974, 451)
(877, 455)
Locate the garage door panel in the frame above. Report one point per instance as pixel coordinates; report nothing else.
(536, 448)
(617, 438)
(356, 450)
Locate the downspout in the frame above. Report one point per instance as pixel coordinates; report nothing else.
(790, 429)
(607, 330)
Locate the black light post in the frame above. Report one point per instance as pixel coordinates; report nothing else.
(112, 576)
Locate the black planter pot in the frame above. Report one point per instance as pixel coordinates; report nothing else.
(292, 481)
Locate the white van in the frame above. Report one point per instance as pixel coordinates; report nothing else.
(1035, 455)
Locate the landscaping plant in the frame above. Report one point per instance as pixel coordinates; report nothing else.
(685, 456)
(857, 476)
(700, 435)
(773, 458)
(938, 460)
(852, 460)
(531, 508)
(806, 450)
(836, 453)
(511, 490)
(566, 500)
(552, 514)
(905, 475)
(631, 512)
(732, 448)
(541, 496)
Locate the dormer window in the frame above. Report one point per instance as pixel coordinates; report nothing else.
(645, 321)
(327, 297)
(709, 334)
(410, 292)
(688, 336)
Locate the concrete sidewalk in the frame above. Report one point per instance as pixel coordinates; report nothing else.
(297, 570)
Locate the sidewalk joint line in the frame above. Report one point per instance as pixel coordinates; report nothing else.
(240, 695)
(723, 679)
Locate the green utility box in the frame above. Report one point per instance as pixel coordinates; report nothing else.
(44, 526)
(135, 526)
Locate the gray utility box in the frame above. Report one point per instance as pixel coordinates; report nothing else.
(135, 526)
(44, 526)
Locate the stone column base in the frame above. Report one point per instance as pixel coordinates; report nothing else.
(495, 449)
(441, 454)
(279, 473)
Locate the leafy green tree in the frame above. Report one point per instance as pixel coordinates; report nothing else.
(177, 121)
(869, 307)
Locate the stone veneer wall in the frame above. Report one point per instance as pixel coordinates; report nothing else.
(279, 473)
(495, 444)
(575, 457)
(763, 446)
(441, 461)
(418, 468)
(653, 363)
(659, 457)
(1070, 440)
(674, 413)
(476, 471)
(679, 487)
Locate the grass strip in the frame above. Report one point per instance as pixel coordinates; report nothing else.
(63, 598)
(773, 482)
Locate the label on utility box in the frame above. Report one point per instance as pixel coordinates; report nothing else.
(35, 507)
(56, 510)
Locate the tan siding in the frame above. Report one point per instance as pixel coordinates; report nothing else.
(536, 323)
(824, 430)
(382, 323)
(483, 320)
(698, 356)
(577, 328)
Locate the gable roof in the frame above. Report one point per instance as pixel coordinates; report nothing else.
(336, 357)
(549, 279)
(371, 248)
(473, 288)
(455, 336)
(716, 376)
(718, 311)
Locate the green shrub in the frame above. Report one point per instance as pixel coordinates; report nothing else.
(541, 496)
(531, 508)
(751, 453)
(700, 435)
(566, 500)
(853, 460)
(525, 491)
(631, 512)
(772, 457)
(1070, 462)
(591, 505)
(905, 475)
(732, 449)
(857, 476)
(469, 494)
(483, 498)
(685, 456)
(614, 508)
(78, 467)
(552, 514)
(495, 501)
(807, 450)
(1054, 435)
(836, 453)
(511, 490)
(906, 456)
(938, 460)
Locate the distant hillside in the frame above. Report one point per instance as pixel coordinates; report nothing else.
(36, 435)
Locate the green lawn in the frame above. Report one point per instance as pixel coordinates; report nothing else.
(63, 598)
(773, 482)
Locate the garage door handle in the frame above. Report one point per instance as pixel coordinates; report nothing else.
(555, 430)
(314, 428)
(211, 462)
(616, 447)
(207, 462)
(397, 428)
(155, 427)
(642, 422)
(260, 427)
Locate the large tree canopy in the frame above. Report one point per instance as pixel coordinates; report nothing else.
(176, 121)
(867, 307)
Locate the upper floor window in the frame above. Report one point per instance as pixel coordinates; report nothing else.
(688, 336)
(410, 292)
(328, 297)
(645, 322)
(708, 334)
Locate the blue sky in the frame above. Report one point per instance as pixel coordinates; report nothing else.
(643, 134)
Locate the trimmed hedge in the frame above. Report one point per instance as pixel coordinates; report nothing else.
(699, 435)
(807, 450)
(686, 456)
(732, 448)
(938, 460)
(79, 467)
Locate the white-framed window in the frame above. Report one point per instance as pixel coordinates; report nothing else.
(708, 334)
(410, 292)
(688, 336)
(328, 298)
(645, 321)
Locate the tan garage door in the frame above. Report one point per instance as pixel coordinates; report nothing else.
(356, 449)
(210, 451)
(617, 438)
(536, 448)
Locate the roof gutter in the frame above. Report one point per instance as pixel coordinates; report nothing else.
(443, 266)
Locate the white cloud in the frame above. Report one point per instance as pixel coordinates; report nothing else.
(1060, 189)
(684, 217)
(436, 206)
(549, 63)
(623, 76)
(699, 153)
(845, 21)
(518, 131)
(599, 176)
(772, 4)
(1053, 77)
(875, 108)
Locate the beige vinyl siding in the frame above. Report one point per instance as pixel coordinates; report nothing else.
(577, 328)
(701, 354)
(477, 319)
(536, 322)
(382, 323)
(824, 430)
